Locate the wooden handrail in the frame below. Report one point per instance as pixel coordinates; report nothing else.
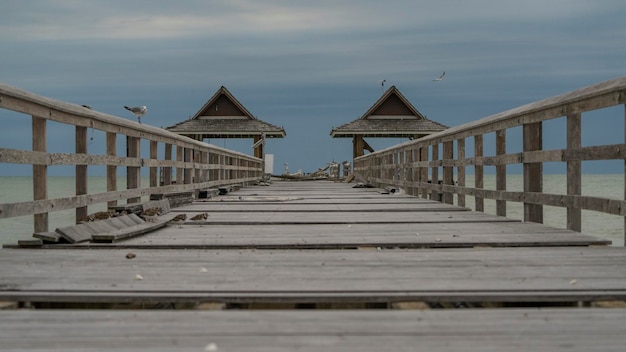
(415, 165)
(198, 165)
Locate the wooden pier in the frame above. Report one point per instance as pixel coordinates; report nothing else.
(318, 265)
(312, 265)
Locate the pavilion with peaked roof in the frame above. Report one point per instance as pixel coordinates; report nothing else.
(223, 116)
(392, 116)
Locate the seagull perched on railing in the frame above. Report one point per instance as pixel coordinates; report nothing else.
(440, 78)
(139, 111)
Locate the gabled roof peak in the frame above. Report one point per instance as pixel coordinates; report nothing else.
(230, 106)
(392, 102)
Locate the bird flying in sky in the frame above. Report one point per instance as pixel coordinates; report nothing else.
(382, 83)
(139, 111)
(440, 78)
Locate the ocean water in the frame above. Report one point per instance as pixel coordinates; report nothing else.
(594, 223)
(20, 189)
(611, 227)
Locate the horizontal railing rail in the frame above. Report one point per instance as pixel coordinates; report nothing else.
(427, 166)
(175, 163)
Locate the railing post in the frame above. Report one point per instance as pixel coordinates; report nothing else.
(133, 172)
(40, 172)
(197, 155)
(153, 169)
(479, 172)
(448, 170)
(574, 168)
(222, 168)
(167, 171)
(179, 167)
(111, 141)
(460, 157)
(212, 162)
(435, 195)
(204, 161)
(410, 156)
(533, 172)
(188, 155)
(424, 170)
(81, 170)
(500, 171)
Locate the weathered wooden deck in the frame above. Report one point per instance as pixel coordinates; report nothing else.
(320, 245)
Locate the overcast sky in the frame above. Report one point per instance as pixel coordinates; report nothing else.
(308, 66)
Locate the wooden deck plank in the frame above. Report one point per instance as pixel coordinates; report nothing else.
(75, 233)
(345, 330)
(338, 217)
(500, 274)
(99, 226)
(220, 207)
(338, 236)
(128, 232)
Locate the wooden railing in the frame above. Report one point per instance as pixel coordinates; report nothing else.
(415, 166)
(197, 165)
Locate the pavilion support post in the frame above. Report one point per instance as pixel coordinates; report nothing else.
(40, 172)
(479, 172)
(533, 172)
(111, 150)
(133, 173)
(357, 146)
(258, 150)
(501, 171)
(81, 170)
